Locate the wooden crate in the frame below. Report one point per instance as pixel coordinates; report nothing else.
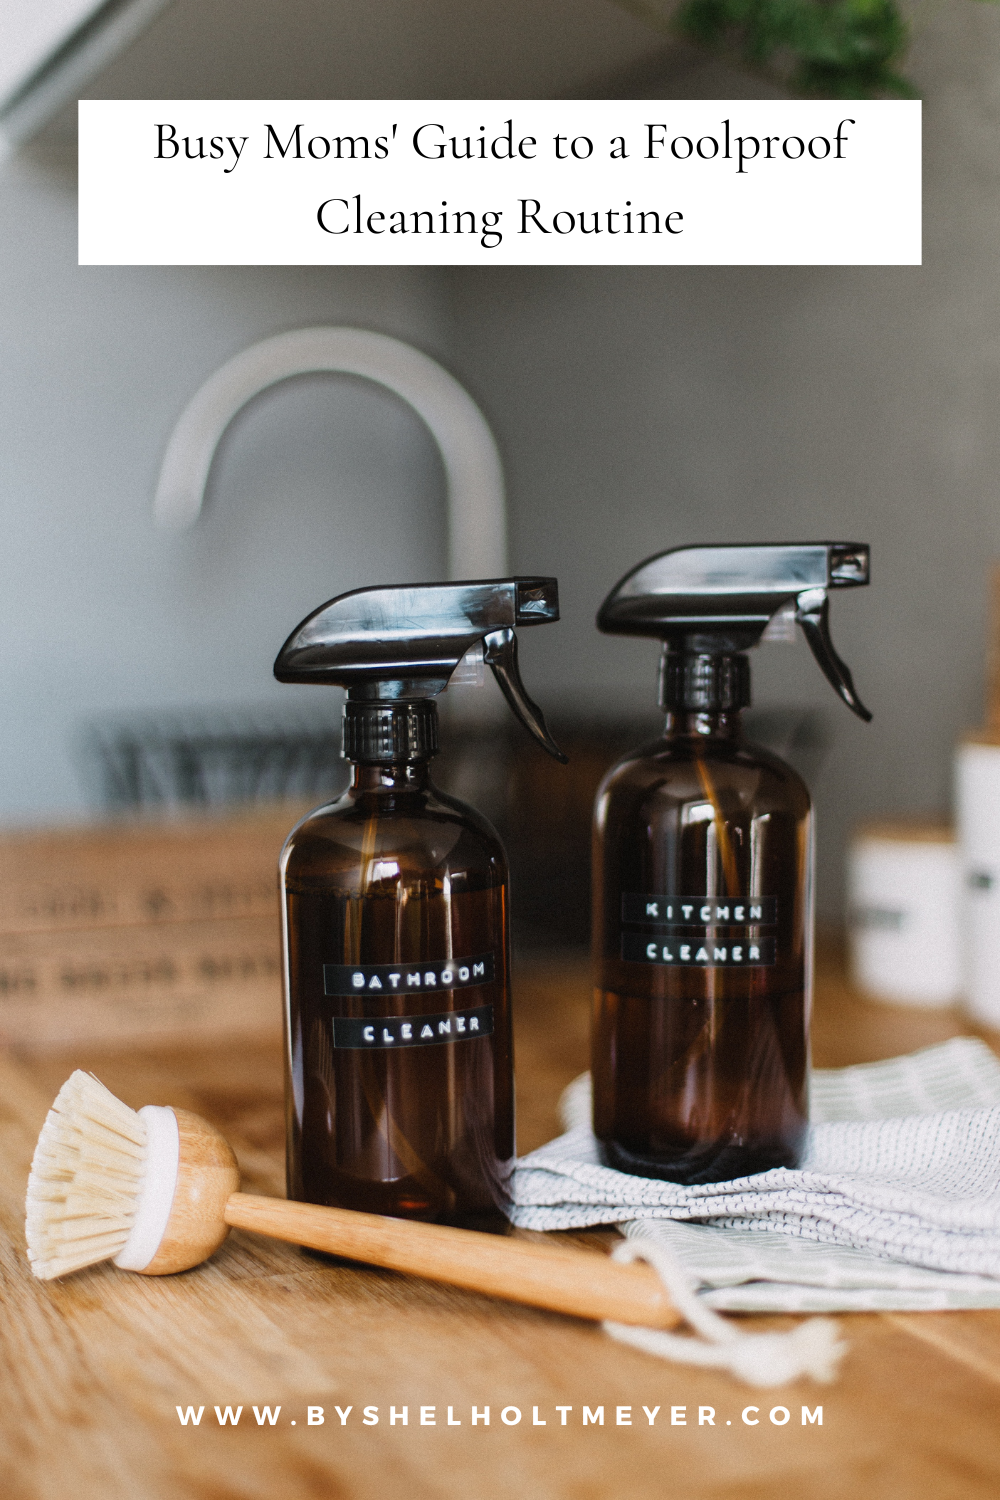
(148, 930)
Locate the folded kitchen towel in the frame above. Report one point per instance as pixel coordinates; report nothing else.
(896, 1204)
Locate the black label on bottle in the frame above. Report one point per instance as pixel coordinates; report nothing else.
(375, 979)
(699, 911)
(696, 952)
(359, 1032)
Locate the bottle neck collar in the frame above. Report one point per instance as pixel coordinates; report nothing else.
(701, 682)
(390, 732)
(385, 777)
(705, 725)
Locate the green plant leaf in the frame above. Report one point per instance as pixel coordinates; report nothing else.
(842, 49)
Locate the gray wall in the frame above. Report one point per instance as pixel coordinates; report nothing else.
(376, 49)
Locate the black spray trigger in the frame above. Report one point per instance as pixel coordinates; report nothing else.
(500, 653)
(813, 614)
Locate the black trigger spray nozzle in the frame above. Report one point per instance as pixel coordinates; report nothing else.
(395, 648)
(709, 605)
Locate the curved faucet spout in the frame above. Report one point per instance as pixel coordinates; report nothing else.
(477, 522)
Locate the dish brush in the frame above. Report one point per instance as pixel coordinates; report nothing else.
(157, 1191)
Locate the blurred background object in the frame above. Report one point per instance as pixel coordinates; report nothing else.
(977, 797)
(53, 48)
(904, 893)
(977, 786)
(839, 50)
(475, 499)
(210, 761)
(924, 896)
(144, 932)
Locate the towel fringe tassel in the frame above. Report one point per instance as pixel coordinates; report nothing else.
(814, 1348)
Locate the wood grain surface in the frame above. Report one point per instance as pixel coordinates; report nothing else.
(94, 1368)
(125, 930)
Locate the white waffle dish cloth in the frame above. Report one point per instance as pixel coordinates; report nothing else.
(895, 1207)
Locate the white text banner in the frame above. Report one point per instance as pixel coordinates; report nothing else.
(500, 182)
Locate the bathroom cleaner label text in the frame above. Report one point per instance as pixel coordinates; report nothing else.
(379, 979)
(413, 1031)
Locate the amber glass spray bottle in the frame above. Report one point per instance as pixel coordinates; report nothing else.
(399, 1064)
(703, 916)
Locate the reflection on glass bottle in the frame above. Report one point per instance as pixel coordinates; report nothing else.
(703, 916)
(702, 930)
(401, 885)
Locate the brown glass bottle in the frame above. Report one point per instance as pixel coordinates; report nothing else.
(702, 956)
(400, 1096)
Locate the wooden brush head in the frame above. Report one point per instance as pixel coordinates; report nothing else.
(147, 1189)
(206, 1175)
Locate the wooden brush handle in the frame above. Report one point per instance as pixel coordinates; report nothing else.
(569, 1281)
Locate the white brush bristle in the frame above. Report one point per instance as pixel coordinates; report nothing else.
(85, 1179)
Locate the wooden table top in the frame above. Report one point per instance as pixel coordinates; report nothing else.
(94, 1368)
